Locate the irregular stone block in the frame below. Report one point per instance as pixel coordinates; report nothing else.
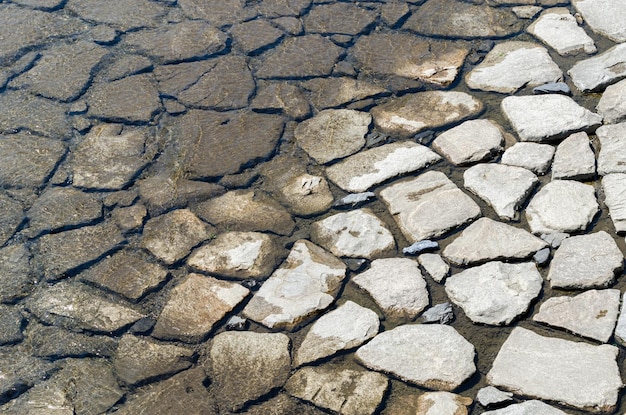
(593, 74)
(532, 156)
(604, 17)
(470, 142)
(612, 157)
(574, 158)
(614, 186)
(612, 104)
(558, 29)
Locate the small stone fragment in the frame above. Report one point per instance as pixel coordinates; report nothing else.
(470, 142)
(552, 88)
(554, 238)
(574, 158)
(354, 199)
(442, 402)
(490, 396)
(419, 247)
(440, 314)
(532, 156)
(434, 266)
(542, 256)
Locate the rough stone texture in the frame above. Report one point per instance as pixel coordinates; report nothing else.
(32, 113)
(333, 134)
(562, 206)
(504, 188)
(434, 266)
(281, 97)
(593, 74)
(397, 286)
(442, 403)
(173, 79)
(428, 206)
(586, 261)
(576, 374)
(532, 156)
(11, 216)
(129, 218)
(255, 35)
(431, 356)
(19, 371)
(334, 92)
(307, 195)
(355, 234)
(604, 17)
(346, 392)
(368, 168)
(217, 12)
(470, 142)
(495, 293)
(510, 66)
(247, 365)
(306, 283)
(614, 187)
(195, 305)
(558, 29)
(283, 404)
(547, 117)
(11, 322)
(343, 18)
(490, 396)
(612, 157)
(52, 342)
(527, 408)
(612, 104)
(405, 116)
(574, 158)
(620, 329)
(526, 12)
(348, 326)
(591, 314)
(124, 16)
(17, 277)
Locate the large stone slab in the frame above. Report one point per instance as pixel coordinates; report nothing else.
(604, 17)
(593, 74)
(575, 374)
(52, 342)
(470, 142)
(574, 158)
(335, 92)
(612, 156)
(614, 186)
(431, 356)
(558, 29)
(24, 111)
(532, 156)
(612, 104)
(255, 35)
(338, 18)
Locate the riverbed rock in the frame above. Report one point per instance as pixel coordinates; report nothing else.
(306, 283)
(612, 104)
(513, 65)
(442, 402)
(532, 156)
(586, 261)
(593, 74)
(255, 35)
(368, 168)
(470, 142)
(272, 97)
(612, 156)
(434, 266)
(338, 18)
(620, 329)
(24, 111)
(162, 192)
(557, 28)
(19, 371)
(432, 356)
(130, 15)
(11, 323)
(17, 277)
(173, 79)
(527, 408)
(548, 117)
(614, 186)
(504, 188)
(604, 17)
(574, 158)
(576, 374)
(562, 206)
(194, 306)
(335, 92)
(11, 217)
(422, 206)
(307, 195)
(218, 13)
(52, 342)
(490, 397)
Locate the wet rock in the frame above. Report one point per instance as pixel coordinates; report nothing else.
(394, 12)
(333, 134)
(335, 92)
(345, 18)
(575, 374)
(354, 199)
(29, 112)
(574, 158)
(346, 392)
(238, 255)
(586, 261)
(11, 216)
(11, 322)
(277, 8)
(434, 266)
(612, 104)
(52, 342)
(562, 206)
(412, 113)
(528, 407)
(532, 156)
(604, 17)
(123, 66)
(236, 323)
(421, 206)
(440, 314)
(16, 275)
(614, 186)
(402, 296)
(356, 234)
(129, 218)
(103, 34)
(346, 327)
(307, 195)
(470, 142)
(419, 247)
(255, 35)
(125, 16)
(247, 365)
(431, 356)
(511, 66)
(246, 210)
(19, 371)
(595, 73)
(306, 283)
(290, 25)
(558, 29)
(281, 97)
(216, 12)
(442, 402)
(175, 78)
(526, 12)
(553, 88)
(612, 156)
(548, 117)
(162, 192)
(490, 396)
(368, 168)
(495, 293)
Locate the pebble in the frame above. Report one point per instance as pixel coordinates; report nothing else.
(471, 142)
(354, 199)
(542, 256)
(439, 313)
(552, 88)
(490, 396)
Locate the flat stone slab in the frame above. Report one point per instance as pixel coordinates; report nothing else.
(612, 156)
(495, 293)
(432, 356)
(307, 195)
(131, 15)
(562, 206)
(12, 217)
(434, 266)
(334, 92)
(490, 396)
(593, 74)
(527, 408)
(360, 172)
(586, 261)
(442, 402)
(17, 277)
(574, 158)
(470, 142)
(282, 97)
(488, 240)
(306, 283)
(591, 314)
(428, 206)
(504, 188)
(620, 329)
(338, 18)
(548, 117)
(402, 296)
(255, 35)
(24, 111)
(575, 374)
(614, 187)
(605, 17)
(557, 28)
(513, 65)
(52, 342)
(612, 104)
(532, 156)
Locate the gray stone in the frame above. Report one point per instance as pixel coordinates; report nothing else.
(19, 371)
(490, 396)
(103, 34)
(575, 374)
(604, 17)
(335, 92)
(620, 329)
(24, 111)
(431, 356)
(612, 104)
(542, 256)
(255, 35)
(52, 342)
(527, 408)
(344, 18)
(434, 266)
(354, 199)
(123, 66)
(614, 187)
(163, 192)
(419, 247)
(11, 217)
(11, 322)
(307, 195)
(281, 97)
(470, 142)
(171, 79)
(440, 314)
(586, 261)
(217, 12)
(526, 12)
(554, 238)
(532, 156)
(574, 158)
(17, 277)
(593, 74)
(442, 402)
(277, 8)
(129, 218)
(393, 12)
(558, 29)
(552, 88)
(125, 16)
(612, 156)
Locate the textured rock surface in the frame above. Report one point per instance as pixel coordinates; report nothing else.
(595, 73)
(614, 187)
(11, 218)
(558, 29)
(338, 18)
(53, 342)
(307, 195)
(434, 266)
(604, 17)
(612, 157)
(612, 104)
(442, 402)
(527, 408)
(470, 142)
(32, 113)
(574, 158)
(620, 328)
(333, 92)
(532, 156)
(17, 277)
(490, 396)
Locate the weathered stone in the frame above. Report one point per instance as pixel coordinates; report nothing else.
(440, 313)
(434, 266)
(163, 192)
(123, 66)
(532, 156)
(129, 218)
(490, 396)
(11, 216)
(527, 408)
(558, 29)
(428, 206)
(612, 156)
(253, 36)
(306, 283)
(614, 187)
(604, 17)
(470, 142)
(354, 199)
(282, 97)
(277, 8)
(526, 12)
(554, 238)
(432, 356)
(289, 24)
(553, 88)
(620, 329)
(595, 73)
(52, 342)
(195, 305)
(17, 277)
(335, 92)
(586, 261)
(442, 402)
(344, 18)
(125, 16)
(356, 234)
(24, 111)
(542, 256)
(547, 117)
(575, 374)
(574, 158)
(217, 12)
(307, 195)
(612, 104)
(19, 371)
(420, 246)
(11, 322)
(368, 168)
(562, 206)
(393, 12)
(175, 78)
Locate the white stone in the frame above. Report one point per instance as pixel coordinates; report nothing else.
(591, 314)
(526, 12)
(612, 157)
(574, 158)
(595, 73)
(504, 188)
(306, 283)
(605, 17)
(558, 29)
(547, 117)
(562, 206)
(614, 186)
(307, 195)
(357, 234)
(367, 168)
(434, 265)
(510, 66)
(489, 396)
(532, 156)
(620, 329)
(433, 356)
(488, 240)
(495, 293)
(573, 373)
(527, 408)
(350, 325)
(470, 142)
(586, 261)
(428, 206)
(441, 403)
(397, 286)
(612, 104)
